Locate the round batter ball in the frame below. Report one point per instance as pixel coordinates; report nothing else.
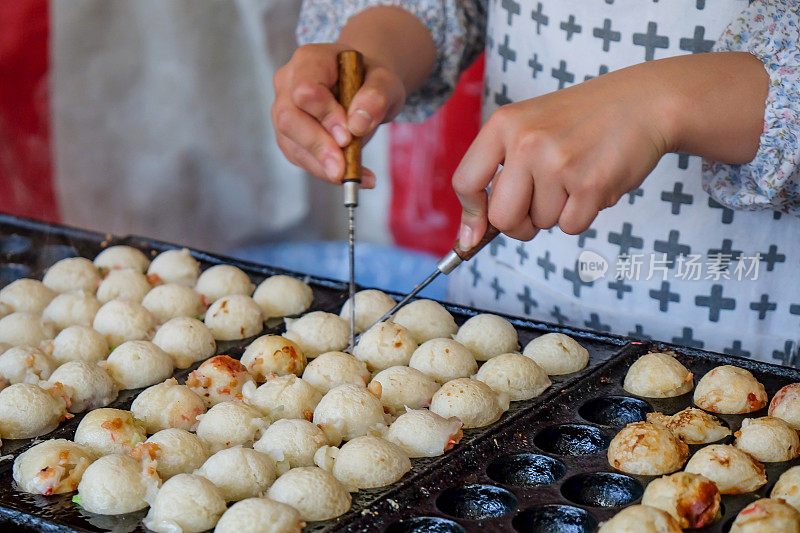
(371, 304)
(51, 467)
(732, 470)
(557, 354)
(786, 405)
(105, 431)
(116, 484)
(365, 462)
(640, 519)
(444, 360)
(403, 387)
(174, 266)
(515, 375)
(79, 343)
(219, 379)
(787, 487)
(126, 284)
(260, 515)
(283, 397)
(426, 320)
(121, 257)
(332, 369)
(273, 354)
(693, 426)
(421, 433)
(87, 385)
(186, 503)
(28, 411)
(230, 424)
(23, 364)
(186, 340)
(729, 390)
(471, 401)
(18, 329)
(385, 345)
(658, 375)
(234, 317)
(314, 492)
(645, 449)
(768, 439)
(136, 364)
(76, 308)
(349, 411)
(223, 280)
(121, 320)
(168, 405)
(318, 332)
(72, 274)
(26, 295)
(283, 296)
(691, 499)
(239, 473)
(5, 309)
(291, 443)
(487, 336)
(767, 516)
(176, 451)
(173, 300)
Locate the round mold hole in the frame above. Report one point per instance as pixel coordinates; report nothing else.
(526, 470)
(425, 524)
(555, 519)
(475, 502)
(53, 253)
(615, 411)
(14, 244)
(603, 489)
(11, 272)
(571, 439)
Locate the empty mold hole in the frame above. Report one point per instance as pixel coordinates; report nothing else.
(603, 489)
(14, 244)
(571, 439)
(555, 519)
(11, 272)
(476, 501)
(526, 470)
(425, 524)
(615, 411)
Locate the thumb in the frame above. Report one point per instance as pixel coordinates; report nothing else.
(379, 100)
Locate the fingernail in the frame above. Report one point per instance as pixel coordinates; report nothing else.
(331, 168)
(359, 122)
(340, 135)
(465, 237)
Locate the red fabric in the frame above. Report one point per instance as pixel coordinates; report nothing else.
(26, 180)
(425, 212)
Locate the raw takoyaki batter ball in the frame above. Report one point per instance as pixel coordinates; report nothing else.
(515, 375)
(283, 296)
(658, 375)
(174, 266)
(349, 411)
(691, 499)
(786, 405)
(291, 443)
(371, 304)
(185, 503)
(27, 329)
(487, 336)
(421, 433)
(557, 354)
(121, 257)
(172, 300)
(403, 387)
(230, 424)
(444, 360)
(136, 364)
(24, 364)
(72, 274)
(223, 280)
(108, 430)
(732, 470)
(273, 354)
(79, 343)
(693, 426)
(640, 519)
(471, 401)
(645, 449)
(787, 487)
(385, 345)
(426, 320)
(87, 385)
(332, 369)
(729, 390)
(28, 411)
(768, 439)
(186, 340)
(120, 321)
(233, 318)
(168, 405)
(365, 462)
(76, 308)
(176, 451)
(318, 332)
(219, 379)
(283, 397)
(5, 309)
(239, 473)
(117, 484)
(51, 467)
(126, 284)
(26, 295)
(767, 516)
(260, 515)
(314, 492)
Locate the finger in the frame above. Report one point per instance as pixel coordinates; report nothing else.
(510, 200)
(297, 155)
(578, 214)
(317, 100)
(524, 232)
(367, 178)
(379, 100)
(312, 137)
(547, 203)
